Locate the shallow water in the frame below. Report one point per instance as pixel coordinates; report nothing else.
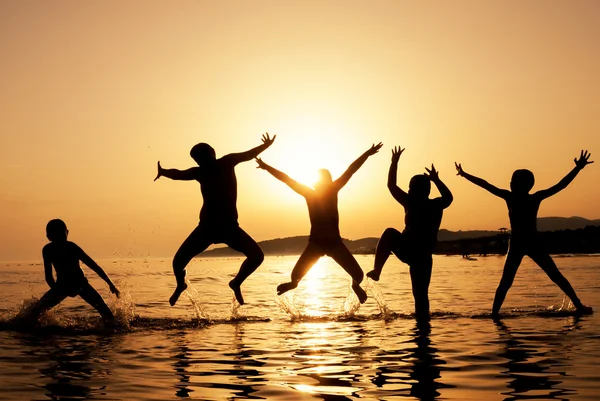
(311, 344)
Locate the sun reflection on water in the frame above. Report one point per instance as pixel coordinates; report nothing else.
(314, 294)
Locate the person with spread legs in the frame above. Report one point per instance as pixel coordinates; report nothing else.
(325, 238)
(218, 216)
(524, 238)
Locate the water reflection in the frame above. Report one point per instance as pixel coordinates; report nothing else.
(328, 359)
(194, 368)
(72, 368)
(414, 370)
(535, 363)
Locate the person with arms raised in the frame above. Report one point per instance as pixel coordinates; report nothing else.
(325, 238)
(524, 238)
(416, 243)
(218, 216)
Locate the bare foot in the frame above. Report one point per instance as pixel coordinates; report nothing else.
(360, 293)
(585, 310)
(180, 288)
(374, 275)
(237, 292)
(285, 287)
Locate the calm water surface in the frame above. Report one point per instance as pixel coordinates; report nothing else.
(314, 343)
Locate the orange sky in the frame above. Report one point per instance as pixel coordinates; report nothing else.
(94, 93)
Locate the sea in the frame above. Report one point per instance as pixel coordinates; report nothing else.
(313, 343)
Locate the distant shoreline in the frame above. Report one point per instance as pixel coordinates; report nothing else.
(584, 240)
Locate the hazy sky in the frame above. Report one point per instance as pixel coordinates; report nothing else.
(93, 93)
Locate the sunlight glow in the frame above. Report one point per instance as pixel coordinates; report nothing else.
(314, 298)
(315, 142)
(332, 390)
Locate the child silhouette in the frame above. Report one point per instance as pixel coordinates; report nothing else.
(525, 240)
(325, 238)
(422, 219)
(70, 280)
(218, 216)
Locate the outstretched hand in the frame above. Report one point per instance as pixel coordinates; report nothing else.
(583, 159)
(374, 149)
(160, 172)
(261, 164)
(268, 141)
(459, 170)
(396, 152)
(432, 174)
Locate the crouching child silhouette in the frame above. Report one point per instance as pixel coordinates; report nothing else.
(325, 238)
(524, 239)
(416, 243)
(70, 281)
(218, 215)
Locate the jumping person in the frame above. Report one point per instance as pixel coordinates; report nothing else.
(422, 219)
(218, 216)
(524, 239)
(325, 238)
(70, 280)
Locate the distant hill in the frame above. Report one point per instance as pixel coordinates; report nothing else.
(295, 245)
(564, 223)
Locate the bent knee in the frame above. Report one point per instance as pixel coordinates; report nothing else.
(256, 257)
(389, 233)
(180, 262)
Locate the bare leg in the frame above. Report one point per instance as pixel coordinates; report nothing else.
(544, 260)
(309, 257)
(420, 276)
(511, 265)
(388, 241)
(91, 296)
(344, 258)
(48, 301)
(243, 243)
(195, 243)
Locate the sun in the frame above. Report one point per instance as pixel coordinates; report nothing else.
(312, 143)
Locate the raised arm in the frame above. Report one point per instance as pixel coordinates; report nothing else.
(236, 158)
(353, 168)
(174, 174)
(502, 193)
(395, 190)
(562, 184)
(48, 269)
(296, 186)
(98, 270)
(446, 198)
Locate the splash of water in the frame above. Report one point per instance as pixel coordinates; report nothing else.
(194, 296)
(351, 305)
(235, 309)
(123, 307)
(287, 303)
(375, 292)
(565, 306)
(19, 318)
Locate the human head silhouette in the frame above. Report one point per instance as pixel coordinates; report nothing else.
(56, 230)
(324, 179)
(203, 153)
(522, 181)
(419, 186)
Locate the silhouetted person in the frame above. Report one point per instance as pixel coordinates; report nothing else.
(70, 280)
(525, 240)
(416, 243)
(218, 216)
(325, 238)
